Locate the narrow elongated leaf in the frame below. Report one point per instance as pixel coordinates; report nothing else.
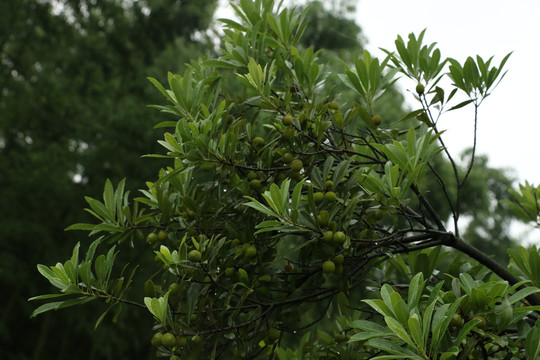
(295, 201)
(399, 330)
(532, 343)
(260, 207)
(521, 294)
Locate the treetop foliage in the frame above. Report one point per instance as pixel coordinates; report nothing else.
(293, 220)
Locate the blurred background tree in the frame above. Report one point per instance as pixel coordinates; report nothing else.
(73, 91)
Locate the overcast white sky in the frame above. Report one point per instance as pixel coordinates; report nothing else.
(509, 124)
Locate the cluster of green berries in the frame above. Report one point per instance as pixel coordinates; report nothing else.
(153, 238)
(327, 195)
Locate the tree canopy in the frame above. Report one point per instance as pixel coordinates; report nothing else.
(292, 220)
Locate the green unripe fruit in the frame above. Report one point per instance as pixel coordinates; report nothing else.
(420, 89)
(295, 175)
(235, 242)
(280, 177)
(318, 197)
(174, 289)
(174, 357)
(250, 252)
(168, 340)
(252, 175)
(287, 158)
(325, 125)
(339, 269)
(245, 247)
(258, 141)
(339, 237)
(323, 218)
(151, 238)
(273, 334)
(289, 267)
(328, 236)
(195, 256)
(339, 259)
(287, 120)
(333, 105)
(230, 271)
(288, 133)
(329, 184)
(456, 320)
(329, 266)
(255, 184)
(482, 324)
(377, 120)
(162, 235)
(330, 196)
(378, 215)
(197, 339)
(156, 339)
(297, 165)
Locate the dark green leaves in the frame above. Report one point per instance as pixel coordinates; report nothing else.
(476, 78)
(369, 77)
(280, 206)
(417, 61)
(526, 202)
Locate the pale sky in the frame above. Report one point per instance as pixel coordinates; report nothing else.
(509, 123)
(509, 126)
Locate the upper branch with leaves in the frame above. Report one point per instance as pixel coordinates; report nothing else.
(287, 210)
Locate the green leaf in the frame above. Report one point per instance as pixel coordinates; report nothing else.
(45, 307)
(399, 330)
(371, 327)
(108, 197)
(101, 317)
(469, 326)
(260, 207)
(391, 347)
(47, 296)
(81, 226)
(380, 307)
(51, 276)
(295, 201)
(461, 104)
(532, 342)
(416, 288)
(521, 294)
(60, 304)
(415, 330)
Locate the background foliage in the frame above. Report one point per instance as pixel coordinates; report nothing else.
(72, 103)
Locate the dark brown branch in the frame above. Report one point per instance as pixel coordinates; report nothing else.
(460, 185)
(489, 262)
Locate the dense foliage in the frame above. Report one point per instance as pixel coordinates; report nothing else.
(73, 91)
(293, 221)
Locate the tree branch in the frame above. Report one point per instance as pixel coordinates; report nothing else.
(484, 259)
